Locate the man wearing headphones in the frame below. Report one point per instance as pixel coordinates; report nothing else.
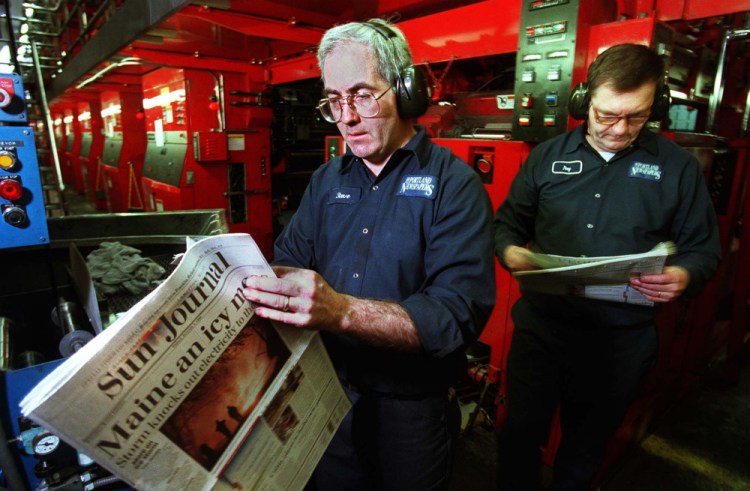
(606, 188)
(390, 257)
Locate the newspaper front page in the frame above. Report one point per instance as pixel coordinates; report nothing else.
(602, 278)
(190, 390)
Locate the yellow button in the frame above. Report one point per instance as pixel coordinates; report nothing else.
(7, 160)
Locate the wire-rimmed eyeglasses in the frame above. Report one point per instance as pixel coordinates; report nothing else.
(631, 119)
(364, 103)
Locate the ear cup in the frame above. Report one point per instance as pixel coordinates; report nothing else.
(412, 93)
(411, 89)
(660, 108)
(578, 104)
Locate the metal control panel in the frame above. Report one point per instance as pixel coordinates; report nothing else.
(24, 221)
(551, 55)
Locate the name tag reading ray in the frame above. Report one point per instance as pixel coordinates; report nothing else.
(568, 167)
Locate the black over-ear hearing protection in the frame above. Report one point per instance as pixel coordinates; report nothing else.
(578, 104)
(412, 92)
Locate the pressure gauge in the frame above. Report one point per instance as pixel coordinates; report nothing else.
(46, 443)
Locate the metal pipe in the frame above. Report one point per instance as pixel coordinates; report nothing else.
(90, 24)
(715, 100)
(222, 102)
(6, 347)
(745, 115)
(44, 9)
(48, 118)
(130, 61)
(12, 40)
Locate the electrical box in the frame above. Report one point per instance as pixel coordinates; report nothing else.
(552, 44)
(24, 220)
(207, 147)
(12, 103)
(124, 149)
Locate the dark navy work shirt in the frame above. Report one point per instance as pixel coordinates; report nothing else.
(419, 234)
(567, 200)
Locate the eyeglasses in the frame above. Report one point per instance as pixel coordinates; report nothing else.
(632, 120)
(364, 103)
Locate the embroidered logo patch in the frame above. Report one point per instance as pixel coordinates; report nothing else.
(418, 186)
(344, 195)
(640, 170)
(567, 167)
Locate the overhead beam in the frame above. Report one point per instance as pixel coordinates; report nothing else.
(252, 25)
(128, 21)
(179, 60)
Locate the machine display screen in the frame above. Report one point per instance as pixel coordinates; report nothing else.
(164, 163)
(111, 152)
(85, 145)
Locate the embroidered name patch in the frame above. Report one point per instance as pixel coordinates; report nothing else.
(344, 195)
(652, 172)
(567, 167)
(418, 186)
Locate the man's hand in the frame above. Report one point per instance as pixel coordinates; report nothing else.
(663, 287)
(302, 298)
(517, 258)
(299, 297)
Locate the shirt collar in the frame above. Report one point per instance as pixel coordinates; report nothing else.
(646, 140)
(419, 145)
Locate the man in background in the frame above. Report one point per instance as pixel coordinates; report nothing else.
(608, 187)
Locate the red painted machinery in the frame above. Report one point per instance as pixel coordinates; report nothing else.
(90, 152)
(501, 74)
(208, 147)
(122, 158)
(72, 149)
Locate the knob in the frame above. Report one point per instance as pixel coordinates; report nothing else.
(14, 215)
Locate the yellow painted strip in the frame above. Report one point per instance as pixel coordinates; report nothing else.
(685, 458)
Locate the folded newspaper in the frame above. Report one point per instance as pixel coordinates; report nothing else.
(190, 390)
(601, 278)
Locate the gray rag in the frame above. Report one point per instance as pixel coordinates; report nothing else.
(118, 268)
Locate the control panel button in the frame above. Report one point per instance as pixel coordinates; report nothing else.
(14, 215)
(527, 101)
(5, 98)
(10, 188)
(524, 120)
(8, 160)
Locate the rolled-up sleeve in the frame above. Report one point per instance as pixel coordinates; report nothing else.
(458, 296)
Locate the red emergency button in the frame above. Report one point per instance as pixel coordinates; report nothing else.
(11, 189)
(5, 98)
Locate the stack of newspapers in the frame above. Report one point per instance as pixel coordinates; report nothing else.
(190, 390)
